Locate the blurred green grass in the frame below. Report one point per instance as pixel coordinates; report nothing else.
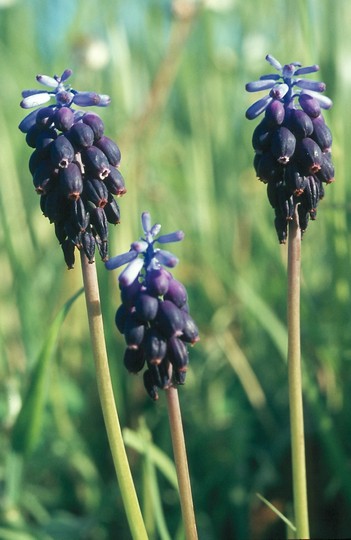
(177, 112)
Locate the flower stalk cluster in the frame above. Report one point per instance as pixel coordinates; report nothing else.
(292, 142)
(154, 315)
(74, 165)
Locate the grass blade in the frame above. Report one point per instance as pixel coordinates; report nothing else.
(27, 427)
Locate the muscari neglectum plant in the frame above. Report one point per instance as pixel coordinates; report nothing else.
(292, 146)
(75, 171)
(74, 167)
(157, 327)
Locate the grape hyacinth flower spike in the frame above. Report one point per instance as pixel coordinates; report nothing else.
(154, 315)
(74, 165)
(292, 142)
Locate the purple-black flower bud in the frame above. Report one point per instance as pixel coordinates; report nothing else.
(35, 159)
(99, 222)
(96, 162)
(81, 135)
(68, 253)
(32, 134)
(44, 117)
(79, 215)
(311, 196)
(102, 248)
(134, 330)
(110, 149)
(157, 281)
(178, 377)
(304, 217)
(112, 210)
(310, 105)
(60, 231)
(88, 244)
(95, 191)
(177, 353)
(95, 123)
(321, 134)
(160, 374)
(170, 319)
(28, 121)
(280, 224)
(55, 208)
(115, 182)
(129, 293)
(61, 152)
(134, 360)
(155, 346)
(275, 113)
(63, 118)
(71, 182)
(176, 293)
(190, 332)
(295, 183)
(150, 385)
(268, 169)
(272, 194)
(309, 156)
(262, 137)
(299, 123)
(45, 138)
(44, 176)
(146, 306)
(283, 145)
(326, 172)
(285, 202)
(121, 317)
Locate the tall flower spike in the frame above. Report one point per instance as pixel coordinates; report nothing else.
(75, 167)
(154, 314)
(292, 142)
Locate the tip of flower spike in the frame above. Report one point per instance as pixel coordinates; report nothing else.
(62, 93)
(176, 236)
(273, 62)
(65, 75)
(131, 272)
(120, 260)
(166, 258)
(146, 221)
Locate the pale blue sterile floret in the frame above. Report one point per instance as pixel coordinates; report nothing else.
(64, 95)
(151, 257)
(283, 86)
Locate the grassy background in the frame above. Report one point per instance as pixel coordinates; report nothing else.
(178, 103)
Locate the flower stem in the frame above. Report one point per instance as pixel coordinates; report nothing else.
(107, 400)
(295, 382)
(181, 462)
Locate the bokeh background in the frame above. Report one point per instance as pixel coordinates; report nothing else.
(176, 76)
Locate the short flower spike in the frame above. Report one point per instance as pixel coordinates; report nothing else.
(292, 142)
(74, 166)
(154, 314)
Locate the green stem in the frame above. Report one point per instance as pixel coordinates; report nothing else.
(295, 382)
(107, 400)
(181, 463)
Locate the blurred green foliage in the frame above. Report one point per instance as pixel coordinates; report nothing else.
(177, 79)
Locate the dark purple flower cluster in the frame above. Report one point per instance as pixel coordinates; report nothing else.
(74, 166)
(292, 142)
(154, 315)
